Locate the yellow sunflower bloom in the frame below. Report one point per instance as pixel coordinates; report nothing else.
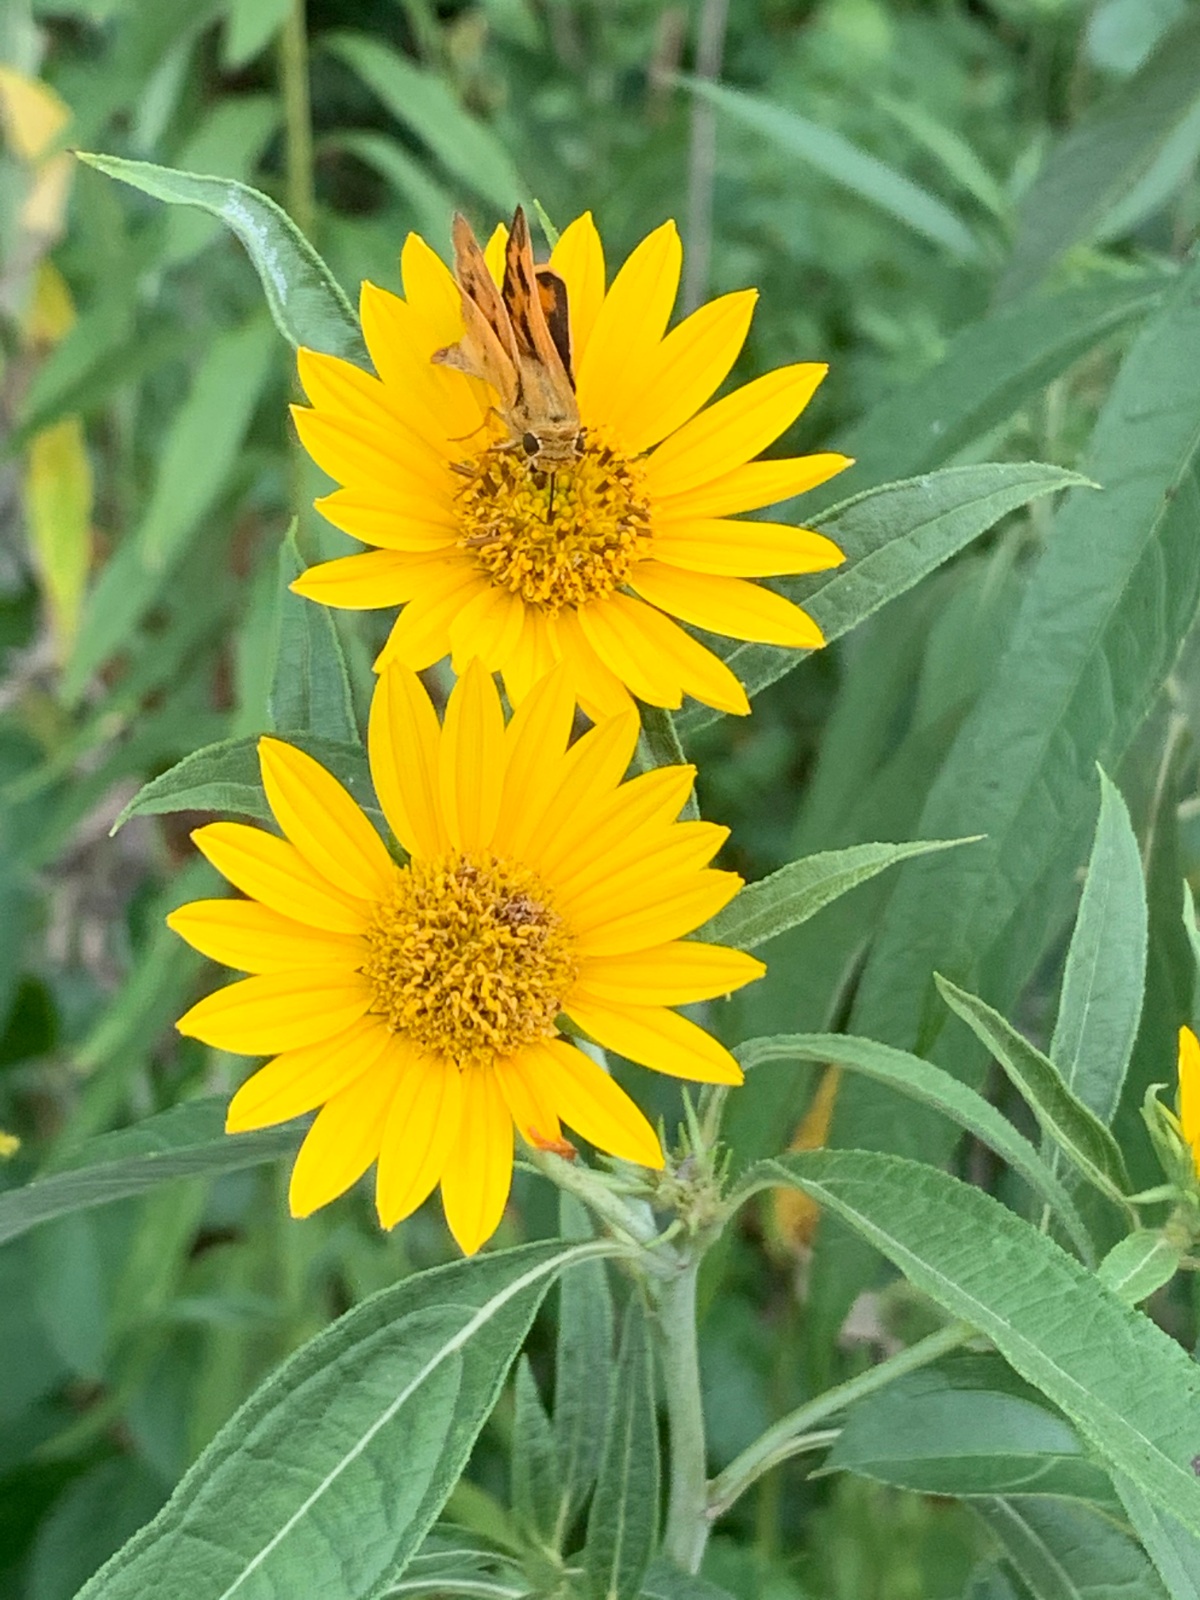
(493, 553)
(417, 1004)
(1189, 1092)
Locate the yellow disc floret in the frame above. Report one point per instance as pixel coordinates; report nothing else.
(468, 958)
(560, 536)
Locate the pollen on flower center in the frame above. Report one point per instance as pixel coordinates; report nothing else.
(468, 958)
(559, 536)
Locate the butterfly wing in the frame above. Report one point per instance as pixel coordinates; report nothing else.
(488, 347)
(545, 392)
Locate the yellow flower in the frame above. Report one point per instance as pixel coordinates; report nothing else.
(1189, 1092)
(493, 555)
(417, 1004)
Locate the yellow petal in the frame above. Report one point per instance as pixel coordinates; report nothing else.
(300, 1080)
(534, 743)
(493, 253)
(403, 739)
(599, 691)
(652, 799)
(421, 635)
(744, 549)
(363, 582)
(274, 871)
(471, 760)
(732, 606)
(696, 669)
(534, 654)
(253, 938)
(684, 850)
(342, 1142)
(1189, 1091)
(685, 371)
(487, 626)
(420, 1134)
(339, 389)
(363, 455)
(595, 763)
(431, 291)
(478, 1173)
(593, 1105)
(758, 483)
(323, 822)
(278, 1010)
(631, 321)
(674, 974)
(414, 527)
(578, 258)
(528, 1095)
(733, 430)
(398, 340)
(627, 653)
(657, 1038)
(673, 915)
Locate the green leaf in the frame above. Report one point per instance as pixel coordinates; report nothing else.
(328, 1478)
(623, 1521)
(1129, 1389)
(186, 1142)
(1174, 1551)
(1101, 1001)
(535, 1480)
(1077, 1132)
(966, 1427)
(893, 537)
(798, 891)
(583, 1371)
(1067, 1551)
(465, 146)
(1103, 157)
(249, 28)
(225, 777)
(306, 303)
(310, 686)
(920, 1080)
(846, 164)
(1139, 1264)
(664, 1581)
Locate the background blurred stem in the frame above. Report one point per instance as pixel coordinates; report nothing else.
(301, 205)
(702, 154)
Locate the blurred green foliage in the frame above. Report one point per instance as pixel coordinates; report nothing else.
(967, 207)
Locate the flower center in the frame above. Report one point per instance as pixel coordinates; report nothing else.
(556, 536)
(468, 958)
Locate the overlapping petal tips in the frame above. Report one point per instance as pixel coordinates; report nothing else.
(1189, 1091)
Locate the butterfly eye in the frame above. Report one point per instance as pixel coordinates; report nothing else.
(530, 443)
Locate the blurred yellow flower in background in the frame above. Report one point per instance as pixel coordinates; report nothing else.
(1189, 1092)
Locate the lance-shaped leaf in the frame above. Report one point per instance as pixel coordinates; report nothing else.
(623, 1521)
(1063, 1550)
(328, 1478)
(1174, 1550)
(310, 686)
(583, 1372)
(1077, 1132)
(798, 891)
(893, 536)
(534, 1467)
(226, 777)
(189, 1141)
(1139, 1264)
(1129, 1389)
(666, 1582)
(920, 1080)
(1101, 1000)
(306, 302)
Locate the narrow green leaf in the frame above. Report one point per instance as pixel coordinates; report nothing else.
(310, 686)
(1174, 1551)
(846, 164)
(583, 1372)
(1128, 1388)
(1104, 155)
(429, 203)
(425, 104)
(1067, 1551)
(1101, 1001)
(535, 1480)
(920, 1080)
(964, 1428)
(328, 1478)
(622, 1524)
(799, 890)
(665, 1582)
(306, 303)
(1191, 927)
(225, 777)
(1139, 1264)
(1077, 1132)
(188, 1141)
(893, 536)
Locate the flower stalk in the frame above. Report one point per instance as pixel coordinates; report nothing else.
(687, 1503)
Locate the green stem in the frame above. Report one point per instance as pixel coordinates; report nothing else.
(297, 117)
(661, 748)
(687, 1502)
(793, 1432)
